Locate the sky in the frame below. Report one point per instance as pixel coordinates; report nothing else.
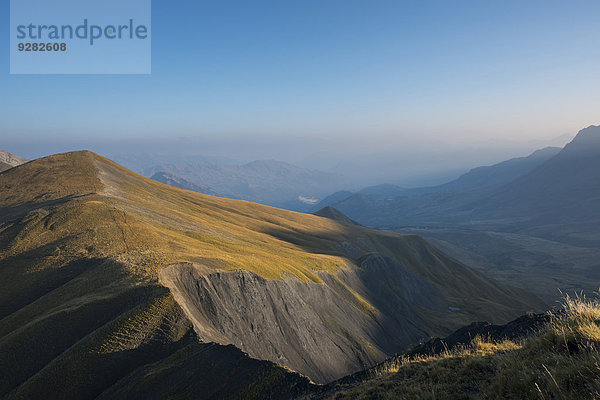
(267, 77)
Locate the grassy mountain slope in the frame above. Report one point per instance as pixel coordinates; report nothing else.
(83, 242)
(559, 360)
(332, 213)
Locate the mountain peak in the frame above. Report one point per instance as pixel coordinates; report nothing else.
(50, 179)
(334, 214)
(586, 141)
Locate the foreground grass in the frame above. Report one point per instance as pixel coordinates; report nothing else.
(561, 361)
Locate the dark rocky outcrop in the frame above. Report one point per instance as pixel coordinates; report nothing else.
(519, 328)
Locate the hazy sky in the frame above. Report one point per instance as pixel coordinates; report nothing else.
(377, 73)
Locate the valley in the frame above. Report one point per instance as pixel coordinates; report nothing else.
(530, 222)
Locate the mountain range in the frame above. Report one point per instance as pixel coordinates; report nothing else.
(541, 208)
(476, 178)
(268, 182)
(114, 285)
(297, 188)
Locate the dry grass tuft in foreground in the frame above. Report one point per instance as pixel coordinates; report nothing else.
(560, 361)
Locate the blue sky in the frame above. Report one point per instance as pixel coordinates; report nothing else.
(337, 70)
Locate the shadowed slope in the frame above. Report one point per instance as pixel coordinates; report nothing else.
(332, 213)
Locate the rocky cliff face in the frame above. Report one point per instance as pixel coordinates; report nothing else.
(323, 330)
(7, 160)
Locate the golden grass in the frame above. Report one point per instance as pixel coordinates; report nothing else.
(224, 233)
(561, 361)
(142, 325)
(147, 225)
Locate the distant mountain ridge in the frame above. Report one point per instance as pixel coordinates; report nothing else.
(332, 199)
(540, 231)
(476, 178)
(169, 178)
(563, 191)
(267, 182)
(501, 173)
(539, 186)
